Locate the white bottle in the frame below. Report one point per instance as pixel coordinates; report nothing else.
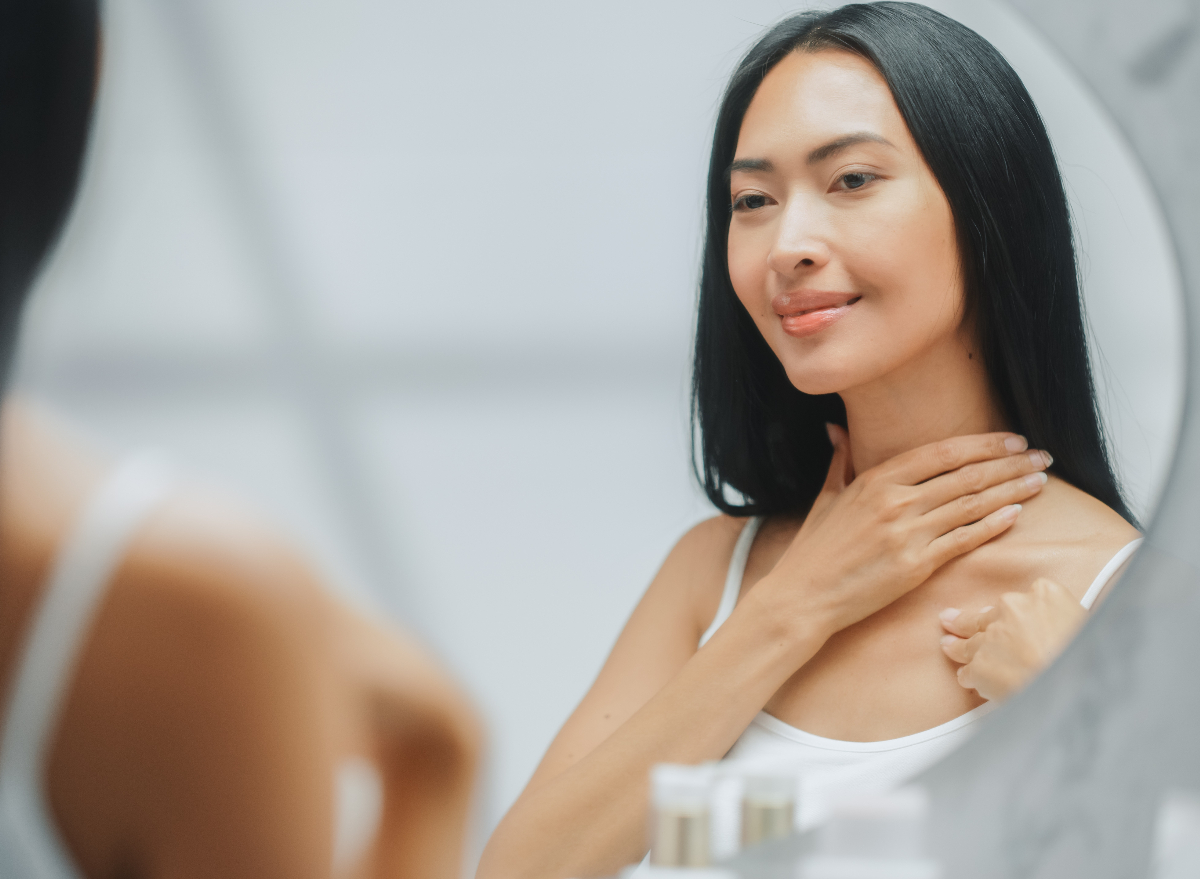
(768, 806)
(680, 824)
(873, 836)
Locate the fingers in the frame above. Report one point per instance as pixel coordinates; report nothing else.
(836, 478)
(962, 650)
(928, 461)
(967, 677)
(1045, 589)
(977, 477)
(967, 537)
(841, 470)
(972, 507)
(964, 624)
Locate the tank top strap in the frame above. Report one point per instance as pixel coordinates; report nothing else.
(1107, 572)
(733, 579)
(83, 566)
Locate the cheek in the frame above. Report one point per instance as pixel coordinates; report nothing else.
(748, 269)
(910, 252)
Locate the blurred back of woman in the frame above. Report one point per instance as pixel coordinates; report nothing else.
(183, 698)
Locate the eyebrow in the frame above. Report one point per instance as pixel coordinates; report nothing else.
(844, 142)
(820, 154)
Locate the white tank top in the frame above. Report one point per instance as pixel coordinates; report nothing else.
(825, 766)
(31, 846)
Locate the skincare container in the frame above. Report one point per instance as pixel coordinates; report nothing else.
(768, 807)
(680, 825)
(681, 815)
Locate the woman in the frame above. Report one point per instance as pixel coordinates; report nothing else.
(889, 307)
(182, 697)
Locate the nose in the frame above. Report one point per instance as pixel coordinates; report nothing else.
(798, 245)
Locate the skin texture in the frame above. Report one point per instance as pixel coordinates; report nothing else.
(836, 628)
(218, 689)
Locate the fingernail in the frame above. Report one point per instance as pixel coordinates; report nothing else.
(1036, 480)
(949, 615)
(1049, 458)
(1038, 459)
(1010, 512)
(948, 639)
(986, 609)
(1016, 444)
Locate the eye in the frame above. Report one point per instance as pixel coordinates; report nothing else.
(751, 201)
(855, 180)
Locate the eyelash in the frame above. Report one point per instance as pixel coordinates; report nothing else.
(739, 204)
(864, 174)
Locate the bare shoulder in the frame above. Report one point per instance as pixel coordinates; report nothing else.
(1063, 534)
(213, 553)
(199, 556)
(205, 579)
(204, 683)
(217, 683)
(1069, 516)
(220, 581)
(694, 571)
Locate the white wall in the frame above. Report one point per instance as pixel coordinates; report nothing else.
(419, 281)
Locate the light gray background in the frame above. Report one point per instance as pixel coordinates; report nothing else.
(418, 281)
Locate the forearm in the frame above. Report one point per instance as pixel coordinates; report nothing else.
(590, 820)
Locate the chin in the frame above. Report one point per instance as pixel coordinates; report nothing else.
(817, 382)
(836, 368)
(822, 371)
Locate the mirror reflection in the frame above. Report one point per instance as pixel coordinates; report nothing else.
(452, 366)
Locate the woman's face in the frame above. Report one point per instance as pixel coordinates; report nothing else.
(841, 243)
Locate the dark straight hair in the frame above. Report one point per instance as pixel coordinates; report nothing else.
(762, 447)
(48, 55)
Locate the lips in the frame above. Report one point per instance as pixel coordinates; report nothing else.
(805, 312)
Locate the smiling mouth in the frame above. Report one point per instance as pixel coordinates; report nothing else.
(845, 304)
(808, 322)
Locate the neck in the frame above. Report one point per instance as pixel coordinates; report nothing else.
(944, 394)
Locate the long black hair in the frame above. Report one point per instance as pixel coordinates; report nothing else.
(981, 136)
(48, 55)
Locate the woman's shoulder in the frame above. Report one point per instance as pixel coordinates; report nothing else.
(210, 549)
(1063, 534)
(199, 561)
(1068, 515)
(707, 540)
(693, 574)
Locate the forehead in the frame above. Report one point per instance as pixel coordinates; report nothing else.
(809, 98)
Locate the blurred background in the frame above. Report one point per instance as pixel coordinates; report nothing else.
(418, 281)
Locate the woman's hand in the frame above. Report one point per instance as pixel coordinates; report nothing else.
(1001, 648)
(870, 539)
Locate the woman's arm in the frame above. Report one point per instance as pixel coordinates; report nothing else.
(427, 743)
(659, 699)
(221, 689)
(197, 739)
